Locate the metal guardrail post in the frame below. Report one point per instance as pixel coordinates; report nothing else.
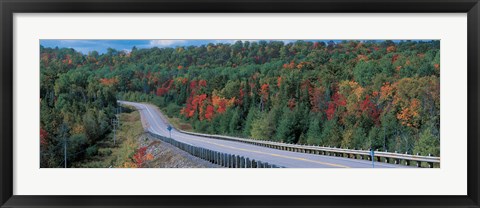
(242, 162)
(232, 161)
(214, 157)
(211, 156)
(224, 160)
(332, 151)
(249, 163)
(238, 159)
(227, 161)
(219, 158)
(395, 161)
(419, 164)
(430, 164)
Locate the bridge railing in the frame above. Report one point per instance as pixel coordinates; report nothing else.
(387, 157)
(379, 156)
(215, 157)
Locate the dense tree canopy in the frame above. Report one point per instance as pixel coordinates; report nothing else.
(351, 94)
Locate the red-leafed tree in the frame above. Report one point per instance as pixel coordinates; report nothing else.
(202, 83)
(317, 95)
(193, 86)
(210, 110)
(369, 107)
(165, 88)
(139, 156)
(222, 106)
(291, 103)
(43, 137)
(241, 94)
(161, 91)
(330, 110)
(339, 99)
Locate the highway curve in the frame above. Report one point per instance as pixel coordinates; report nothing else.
(154, 121)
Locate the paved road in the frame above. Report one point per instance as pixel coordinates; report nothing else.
(154, 121)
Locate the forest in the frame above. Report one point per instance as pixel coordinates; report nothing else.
(352, 94)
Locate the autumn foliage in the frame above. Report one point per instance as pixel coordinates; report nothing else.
(141, 157)
(43, 137)
(351, 94)
(109, 82)
(164, 88)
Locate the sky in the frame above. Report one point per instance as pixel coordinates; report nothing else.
(101, 46)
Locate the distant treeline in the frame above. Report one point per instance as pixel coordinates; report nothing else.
(350, 94)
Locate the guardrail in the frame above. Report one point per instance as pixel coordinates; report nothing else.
(215, 157)
(386, 157)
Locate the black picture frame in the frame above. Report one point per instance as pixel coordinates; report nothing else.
(10, 7)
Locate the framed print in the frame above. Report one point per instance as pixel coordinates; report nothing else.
(246, 104)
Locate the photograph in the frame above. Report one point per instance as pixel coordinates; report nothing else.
(236, 103)
(244, 104)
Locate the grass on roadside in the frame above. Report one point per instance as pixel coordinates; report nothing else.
(120, 154)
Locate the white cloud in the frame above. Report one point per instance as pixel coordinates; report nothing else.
(174, 43)
(233, 41)
(224, 41)
(253, 40)
(165, 43)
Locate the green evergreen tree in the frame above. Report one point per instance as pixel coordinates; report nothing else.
(427, 143)
(314, 131)
(251, 117)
